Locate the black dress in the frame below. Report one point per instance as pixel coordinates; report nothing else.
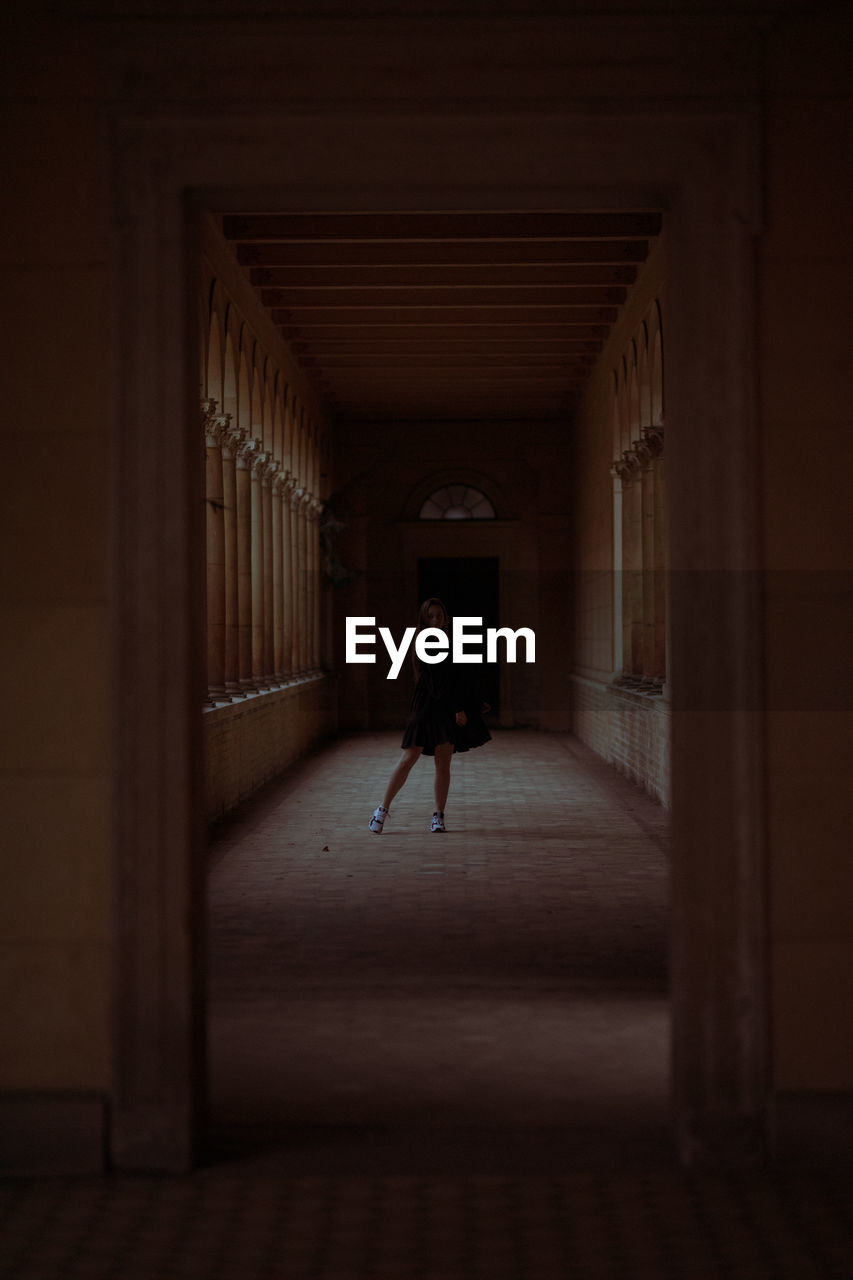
(441, 690)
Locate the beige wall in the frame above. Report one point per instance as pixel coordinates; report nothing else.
(55, 764)
(804, 308)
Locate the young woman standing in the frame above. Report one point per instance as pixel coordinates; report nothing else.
(445, 716)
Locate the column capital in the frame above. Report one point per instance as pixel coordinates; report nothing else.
(233, 438)
(642, 451)
(259, 460)
(245, 453)
(296, 496)
(282, 483)
(269, 471)
(213, 424)
(653, 439)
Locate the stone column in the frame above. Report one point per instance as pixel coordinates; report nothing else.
(296, 497)
(245, 455)
(259, 462)
(268, 473)
(661, 565)
(287, 484)
(316, 585)
(231, 443)
(304, 584)
(215, 426)
(278, 481)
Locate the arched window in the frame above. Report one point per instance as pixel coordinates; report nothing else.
(457, 502)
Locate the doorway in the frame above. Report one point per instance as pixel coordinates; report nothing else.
(718, 954)
(468, 585)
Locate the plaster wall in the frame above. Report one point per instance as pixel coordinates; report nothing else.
(55, 767)
(805, 294)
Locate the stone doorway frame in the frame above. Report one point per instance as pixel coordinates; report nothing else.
(701, 171)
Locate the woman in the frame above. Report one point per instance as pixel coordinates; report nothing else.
(445, 716)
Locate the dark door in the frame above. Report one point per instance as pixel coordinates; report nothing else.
(468, 585)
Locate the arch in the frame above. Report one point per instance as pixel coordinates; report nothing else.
(644, 382)
(455, 477)
(287, 448)
(256, 401)
(229, 381)
(622, 400)
(214, 380)
(633, 398)
(277, 428)
(656, 374)
(457, 502)
(244, 397)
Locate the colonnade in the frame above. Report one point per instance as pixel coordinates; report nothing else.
(263, 564)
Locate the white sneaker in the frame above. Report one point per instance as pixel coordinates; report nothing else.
(437, 823)
(380, 813)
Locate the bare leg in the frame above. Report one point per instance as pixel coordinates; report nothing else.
(400, 774)
(443, 756)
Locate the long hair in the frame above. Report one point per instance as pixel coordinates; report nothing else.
(423, 623)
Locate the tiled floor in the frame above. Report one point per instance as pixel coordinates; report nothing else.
(499, 985)
(438, 1057)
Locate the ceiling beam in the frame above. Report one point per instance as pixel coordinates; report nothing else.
(419, 276)
(306, 317)
(296, 298)
(415, 330)
(404, 253)
(472, 361)
(483, 225)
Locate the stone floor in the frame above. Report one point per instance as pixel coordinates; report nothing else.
(496, 985)
(438, 1057)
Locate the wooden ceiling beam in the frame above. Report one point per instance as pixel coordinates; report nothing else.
(468, 225)
(448, 253)
(298, 299)
(407, 383)
(470, 361)
(415, 330)
(306, 317)
(524, 274)
(499, 347)
(452, 409)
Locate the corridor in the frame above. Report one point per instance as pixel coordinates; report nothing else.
(489, 999)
